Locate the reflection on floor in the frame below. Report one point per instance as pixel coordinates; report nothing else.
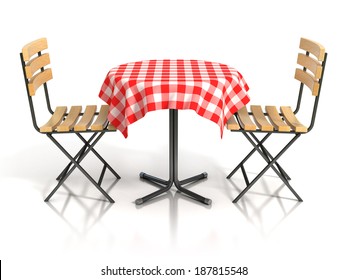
(79, 229)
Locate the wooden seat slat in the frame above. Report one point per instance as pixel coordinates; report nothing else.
(101, 120)
(246, 122)
(292, 120)
(276, 119)
(55, 120)
(86, 119)
(232, 124)
(260, 118)
(70, 119)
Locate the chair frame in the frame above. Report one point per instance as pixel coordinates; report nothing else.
(258, 144)
(88, 143)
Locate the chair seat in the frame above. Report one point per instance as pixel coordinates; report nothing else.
(268, 120)
(75, 120)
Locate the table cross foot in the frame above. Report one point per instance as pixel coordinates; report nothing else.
(167, 184)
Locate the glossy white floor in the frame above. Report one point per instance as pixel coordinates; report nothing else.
(78, 233)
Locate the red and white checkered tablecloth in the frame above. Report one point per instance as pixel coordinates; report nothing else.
(215, 91)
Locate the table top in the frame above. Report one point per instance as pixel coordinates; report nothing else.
(214, 90)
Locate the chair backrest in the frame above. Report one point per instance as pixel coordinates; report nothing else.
(35, 73)
(311, 74)
(35, 62)
(312, 60)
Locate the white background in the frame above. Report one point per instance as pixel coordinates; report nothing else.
(75, 237)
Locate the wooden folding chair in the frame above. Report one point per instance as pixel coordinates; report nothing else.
(63, 121)
(286, 122)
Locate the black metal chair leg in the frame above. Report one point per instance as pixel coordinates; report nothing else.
(269, 156)
(269, 165)
(260, 144)
(76, 157)
(247, 157)
(99, 156)
(82, 150)
(77, 165)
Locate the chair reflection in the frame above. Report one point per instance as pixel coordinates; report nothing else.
(266, 210)
(80, 212)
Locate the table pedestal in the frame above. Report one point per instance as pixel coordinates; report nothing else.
(173, 166)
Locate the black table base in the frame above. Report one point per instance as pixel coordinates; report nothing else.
(165, 185)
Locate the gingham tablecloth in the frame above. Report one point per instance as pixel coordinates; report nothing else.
(215, 91)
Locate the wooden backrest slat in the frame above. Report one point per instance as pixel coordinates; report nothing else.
(55, 120)
(70, 120)
(260, 118)
(38, 80)
(246, 122)
(36, 64)
(292, 120)
(313, 47)
(86, 119)
(307, 79)
(232, 124)
(311, 64)
(101, 120)
(33, 48)
(276, 119)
